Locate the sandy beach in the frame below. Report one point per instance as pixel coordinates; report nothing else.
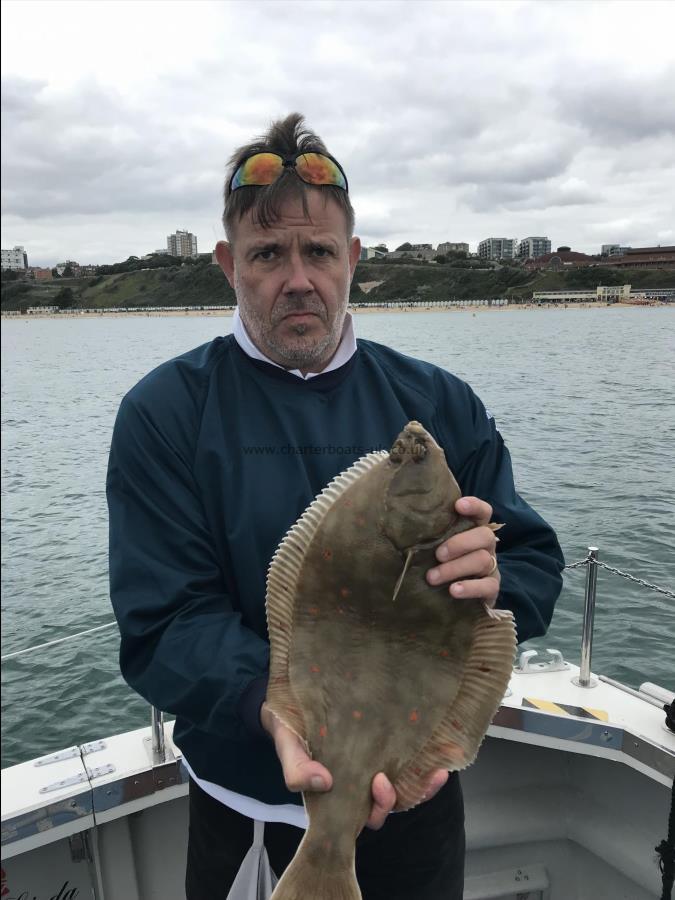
(355, 310)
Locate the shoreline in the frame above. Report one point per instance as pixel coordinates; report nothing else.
(355, 310)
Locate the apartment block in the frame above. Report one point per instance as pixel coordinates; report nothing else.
(497, 248)
(532, 247)
(451, 247)
(182, 243)
(15, 259)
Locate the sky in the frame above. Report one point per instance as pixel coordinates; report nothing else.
(453, 121)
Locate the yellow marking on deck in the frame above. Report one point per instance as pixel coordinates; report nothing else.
(566, 709)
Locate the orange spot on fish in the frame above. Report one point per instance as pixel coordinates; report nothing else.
(327, 553)
(444, 653)
(327, 844)
(348, 502)
(313, 610)
(323, 731)
(414, 716)
(349, 675)
(345, 592)
(357, 714)
(457, 725)
(360, 520)
(314, 669)
(417, 771)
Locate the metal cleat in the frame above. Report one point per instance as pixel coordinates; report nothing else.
(526, 667)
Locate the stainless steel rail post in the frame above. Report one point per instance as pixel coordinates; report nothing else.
(584, 680)
(157, 725)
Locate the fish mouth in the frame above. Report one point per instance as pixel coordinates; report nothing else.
(414, 441)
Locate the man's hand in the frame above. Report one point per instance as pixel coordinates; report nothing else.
(302, 773)
(470, 555)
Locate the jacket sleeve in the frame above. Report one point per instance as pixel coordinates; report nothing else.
(528, 552)
(184, 647)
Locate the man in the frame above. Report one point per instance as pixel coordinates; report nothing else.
(216, 453)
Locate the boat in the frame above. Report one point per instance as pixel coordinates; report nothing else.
(568, 799)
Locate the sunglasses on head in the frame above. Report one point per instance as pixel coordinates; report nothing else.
(312, 168)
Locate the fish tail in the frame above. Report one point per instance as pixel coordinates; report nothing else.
(308, 877)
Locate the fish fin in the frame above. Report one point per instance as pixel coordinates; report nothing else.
(456, 740)
(307, 876)
(282, 580)
(399, 583)
(495, 526)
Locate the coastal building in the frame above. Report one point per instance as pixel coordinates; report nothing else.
(413, 252)
(613, 250)
(70, 264)
(182, 243)
(533, 247)
(451, 247)
(15, 259)
(613, 293)
(497, 248)
(372, 253)
(643, 258)
(564, 258)
(41, 274)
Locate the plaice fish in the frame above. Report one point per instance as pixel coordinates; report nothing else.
(374, 669)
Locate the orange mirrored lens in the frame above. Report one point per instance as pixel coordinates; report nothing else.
(262, 168)
(315, 168)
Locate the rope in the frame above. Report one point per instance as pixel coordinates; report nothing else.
(70, 637)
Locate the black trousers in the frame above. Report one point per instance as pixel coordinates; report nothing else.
(416, 855)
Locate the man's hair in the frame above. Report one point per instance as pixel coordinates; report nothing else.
(287, 137)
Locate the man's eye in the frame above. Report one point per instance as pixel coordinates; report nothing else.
(320, 251)
(265, 255)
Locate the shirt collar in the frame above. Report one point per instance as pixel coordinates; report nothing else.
(346, 348)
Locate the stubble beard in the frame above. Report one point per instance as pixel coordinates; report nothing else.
(301, 350)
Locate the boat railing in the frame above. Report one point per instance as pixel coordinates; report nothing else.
(584, 680)
(592, 563)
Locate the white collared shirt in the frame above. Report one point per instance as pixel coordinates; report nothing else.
(346, 348)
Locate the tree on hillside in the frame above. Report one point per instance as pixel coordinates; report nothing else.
(68, 272)
(405, 246)
(64, 298)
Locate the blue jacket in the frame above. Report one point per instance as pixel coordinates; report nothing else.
(214, 456)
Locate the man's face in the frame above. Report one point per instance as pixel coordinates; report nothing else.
(292, 280)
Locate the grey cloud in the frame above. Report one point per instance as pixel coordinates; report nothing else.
(437, 111)
(617, 107)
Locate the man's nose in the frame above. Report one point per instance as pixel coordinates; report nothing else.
(297, 277)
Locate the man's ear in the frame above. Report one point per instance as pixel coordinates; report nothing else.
(226, 260)
(354, 254)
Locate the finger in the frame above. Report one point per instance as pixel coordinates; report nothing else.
(436, 782)
(301, 773)
(485, 589)
(384, 799)
(481, 538)
(478, 564)
(473, 508)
